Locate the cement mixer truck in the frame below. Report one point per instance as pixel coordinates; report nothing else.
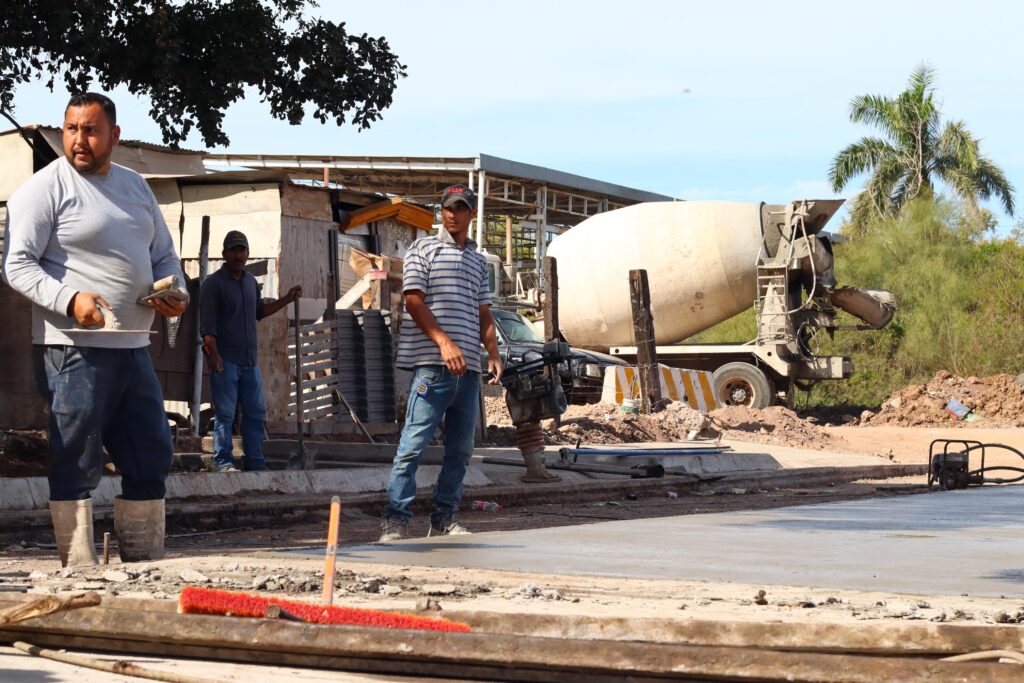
(706, 262)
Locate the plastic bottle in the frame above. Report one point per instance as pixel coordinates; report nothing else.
(486, 506)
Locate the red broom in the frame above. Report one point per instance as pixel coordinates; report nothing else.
(195, 600)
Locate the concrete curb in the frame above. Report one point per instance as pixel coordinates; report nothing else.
(33, 493)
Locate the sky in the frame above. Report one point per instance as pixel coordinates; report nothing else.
(743, 101)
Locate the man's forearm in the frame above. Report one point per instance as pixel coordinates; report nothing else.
(488, 332)
(275, 306)
(424, 319)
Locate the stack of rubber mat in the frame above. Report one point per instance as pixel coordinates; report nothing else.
(351, 365)
(380, 373)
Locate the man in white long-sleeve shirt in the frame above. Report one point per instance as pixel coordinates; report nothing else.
(85, 240)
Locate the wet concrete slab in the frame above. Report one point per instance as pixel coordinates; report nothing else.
(942, 543)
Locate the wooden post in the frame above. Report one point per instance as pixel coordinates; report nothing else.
(197, 364)
(551, 332)
(550, 299)
(643, 337)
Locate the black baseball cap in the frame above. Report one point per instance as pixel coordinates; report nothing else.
(235, 238)
(458, 193)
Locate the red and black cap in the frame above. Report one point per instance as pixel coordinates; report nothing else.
(458, 193)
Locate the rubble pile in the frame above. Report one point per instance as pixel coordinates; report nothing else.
(603, 423)
(995, 400)
(776, 425)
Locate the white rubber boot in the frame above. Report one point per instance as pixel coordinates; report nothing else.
(72, 526)
(139, 525)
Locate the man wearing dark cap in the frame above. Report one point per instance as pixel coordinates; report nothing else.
(229, 306)
(448, 315)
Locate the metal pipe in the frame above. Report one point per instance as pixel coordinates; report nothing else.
(642, 451)
(302, 464)
(197, 365)
(480, 226)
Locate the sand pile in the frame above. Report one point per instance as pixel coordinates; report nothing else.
(996, 400)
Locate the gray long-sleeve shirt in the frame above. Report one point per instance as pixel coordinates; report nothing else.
(67, 232)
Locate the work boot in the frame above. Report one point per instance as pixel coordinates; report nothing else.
(393, 530)
(72, 525)
(447, 527)
(139, 525)
(536, 472)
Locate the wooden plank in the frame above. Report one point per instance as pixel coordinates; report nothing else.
(312, 395)
(643, 338)
(313, 344)
(484, 655)
(315, 357)
(305, 254)
(314, 414)
(325, 381)
(299, 201)
(326, 325)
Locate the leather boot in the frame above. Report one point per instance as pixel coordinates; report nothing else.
(139, 525)
(72, 525)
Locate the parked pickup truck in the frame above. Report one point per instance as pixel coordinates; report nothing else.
(582, 380)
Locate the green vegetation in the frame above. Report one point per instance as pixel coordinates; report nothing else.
(961, 303)
(917, 150)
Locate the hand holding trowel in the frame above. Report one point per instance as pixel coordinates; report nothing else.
(167, 298)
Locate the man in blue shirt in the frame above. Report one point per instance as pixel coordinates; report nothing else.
(448, 315)
(229, 306)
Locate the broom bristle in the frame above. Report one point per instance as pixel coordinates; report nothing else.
(196, 600)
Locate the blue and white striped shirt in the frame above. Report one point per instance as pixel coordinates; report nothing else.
(454, 282)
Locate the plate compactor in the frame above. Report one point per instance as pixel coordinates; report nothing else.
(949, 464)
(533, 392)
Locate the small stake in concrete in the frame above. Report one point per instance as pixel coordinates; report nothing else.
(332, 550)
(106, 547)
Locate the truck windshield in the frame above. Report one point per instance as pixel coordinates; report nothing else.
(515, 328)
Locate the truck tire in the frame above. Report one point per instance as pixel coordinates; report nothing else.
(742, 384)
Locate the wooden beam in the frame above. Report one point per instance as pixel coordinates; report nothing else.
(643, 338)
(475, 655)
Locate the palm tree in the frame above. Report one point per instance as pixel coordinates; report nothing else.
(916, 151)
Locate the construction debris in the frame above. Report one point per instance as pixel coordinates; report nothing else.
(998, 400)
(603, 423)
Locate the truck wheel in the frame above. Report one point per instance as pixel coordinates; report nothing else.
(742, 384)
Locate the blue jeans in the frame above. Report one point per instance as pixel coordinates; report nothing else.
(435, 394)
(238, 385)
(103, 398)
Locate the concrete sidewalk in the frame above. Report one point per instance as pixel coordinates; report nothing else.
(955, 542)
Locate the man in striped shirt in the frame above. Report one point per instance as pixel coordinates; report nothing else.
(448, 315)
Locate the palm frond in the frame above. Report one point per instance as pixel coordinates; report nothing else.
(956, 147)
(992, 181)
(875, 110)
(857, 158)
